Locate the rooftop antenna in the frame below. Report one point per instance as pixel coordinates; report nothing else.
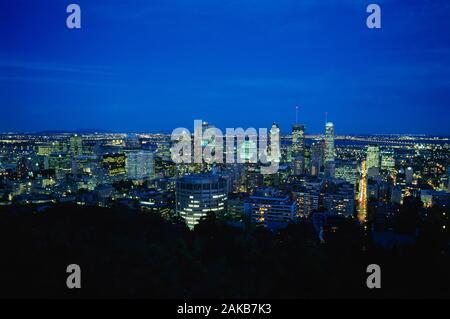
(296, 114)
(326, 117)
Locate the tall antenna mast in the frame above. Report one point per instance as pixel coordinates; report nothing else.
(326, 117)
(296, 114)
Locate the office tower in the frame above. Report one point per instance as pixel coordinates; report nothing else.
(317, 158)
(274, 151)
(347, 171)
(388, 161)
(199, 194)
(76, 145)
(307, 196)
(307, 157)
(339, 198)
(270, 208)
(373, 157)
(298, 140)
(329, 151)
(140, 165)
(298, 149)
(298, 165)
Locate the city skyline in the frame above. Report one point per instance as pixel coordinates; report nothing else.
(157, 66)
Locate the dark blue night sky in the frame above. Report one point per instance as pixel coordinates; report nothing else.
(152, 65)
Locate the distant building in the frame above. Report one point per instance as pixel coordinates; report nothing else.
(373, 157)
(339, 198)
(199, 194)
(76, 145)
(388, 161)
(317, 158)
(298, 149)
(140, 165)
(329, 152)
(271, 209)
(347, 171)
(298, 140)
(307, 197)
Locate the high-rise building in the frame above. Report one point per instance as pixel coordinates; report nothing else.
(298, 149)
(274, 151)
(329, 152)
(199, 194)
(298, 140)
(270, 208)
(347, 171)
(339, 198)
(140, 165)
(307, 196)
(373, 157)
(388, 161)
(76, 145)
(317, 158)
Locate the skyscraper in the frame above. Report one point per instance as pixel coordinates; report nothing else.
(347, 171)
(329, 149)
(317, 158)
(76, 145)
(298, 139)
(388, 161)
(140, 165)
(298, 149)
(199, 194)
(373, 157)
(273, 154)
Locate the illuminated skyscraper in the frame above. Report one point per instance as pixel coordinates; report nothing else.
(274, 152)
(140, 165)
(197, 195)
(76, 145)
(329, 151)
(298, 140)
(317, 158)
(373, 157)
(347, 171)
(388, 161)
(298, 148)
